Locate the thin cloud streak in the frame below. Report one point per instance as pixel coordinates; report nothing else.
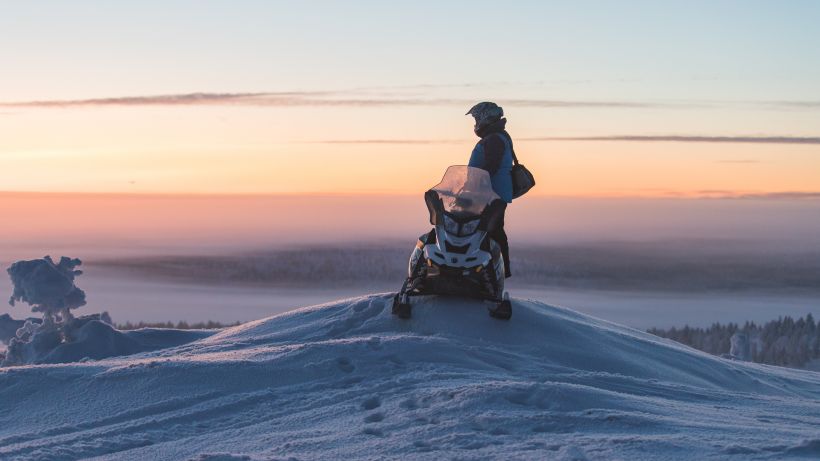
(739, 162)
(364, 97)
(794, 104)
(696, 139)
(310, 98)
(390, 141)
(489, 84)
(720, 194)
(166, 100)
(793, 195)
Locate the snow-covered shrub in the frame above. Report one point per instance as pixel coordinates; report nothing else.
(49, 288)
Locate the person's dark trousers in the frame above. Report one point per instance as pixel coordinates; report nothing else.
(500, 236)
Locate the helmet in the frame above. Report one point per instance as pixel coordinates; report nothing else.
(485, 113)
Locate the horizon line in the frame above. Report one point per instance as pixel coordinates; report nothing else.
(799, 140)
(676, 195)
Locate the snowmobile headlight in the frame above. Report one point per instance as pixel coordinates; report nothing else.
(469, 227)
(450, 225)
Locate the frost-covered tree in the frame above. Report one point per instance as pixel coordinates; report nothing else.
(49, 288)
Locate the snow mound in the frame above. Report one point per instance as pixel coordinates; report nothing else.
(348, 380)
(90, 337)
(98, 340)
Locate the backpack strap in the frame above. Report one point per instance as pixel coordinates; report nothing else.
(512, 149)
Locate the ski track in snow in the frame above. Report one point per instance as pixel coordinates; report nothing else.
(348, 380)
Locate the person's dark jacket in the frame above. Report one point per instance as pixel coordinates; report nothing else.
(493, 153)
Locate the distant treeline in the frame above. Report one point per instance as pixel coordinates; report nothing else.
(782, 342)
(181, 325)
(667, 266)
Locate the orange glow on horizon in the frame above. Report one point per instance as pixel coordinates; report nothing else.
(209, 150)
(595, 169)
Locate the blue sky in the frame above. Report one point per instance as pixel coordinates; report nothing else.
(676, 50)
(376, 71)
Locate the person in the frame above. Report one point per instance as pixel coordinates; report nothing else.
(494, 153)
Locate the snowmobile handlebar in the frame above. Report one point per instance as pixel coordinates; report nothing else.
(490, 216)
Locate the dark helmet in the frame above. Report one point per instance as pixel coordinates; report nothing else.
(485, 113)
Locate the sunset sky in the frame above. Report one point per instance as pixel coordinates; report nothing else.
(635, 98)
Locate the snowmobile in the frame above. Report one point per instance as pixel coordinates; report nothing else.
(458, 257)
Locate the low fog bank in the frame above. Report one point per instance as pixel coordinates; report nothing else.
(642, 262)
(745, 224)
(643, 285)
(673, 266)
(102, 226)
(249, 286)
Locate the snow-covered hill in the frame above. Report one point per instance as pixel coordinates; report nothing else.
(348, 380)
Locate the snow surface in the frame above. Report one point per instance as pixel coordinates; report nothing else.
(86, 337)
(348, 380)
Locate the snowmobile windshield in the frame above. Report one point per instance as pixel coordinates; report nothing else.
(465, 191)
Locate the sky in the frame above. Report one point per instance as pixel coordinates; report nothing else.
(604, 99)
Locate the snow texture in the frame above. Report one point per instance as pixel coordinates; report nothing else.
(348, 380)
